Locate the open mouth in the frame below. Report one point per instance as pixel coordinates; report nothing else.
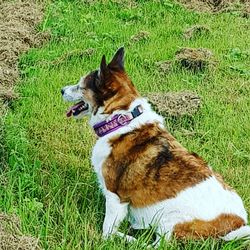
(77, 109)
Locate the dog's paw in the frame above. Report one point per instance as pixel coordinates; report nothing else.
(154, 245)
(126, 237)
(106, 235)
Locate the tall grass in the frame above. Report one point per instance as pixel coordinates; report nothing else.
(50, 181)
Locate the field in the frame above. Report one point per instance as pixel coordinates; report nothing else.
(49, 182)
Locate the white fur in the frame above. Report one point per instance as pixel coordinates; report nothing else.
(73, 93)
(204, 201)
(114, 214)
(242, 232)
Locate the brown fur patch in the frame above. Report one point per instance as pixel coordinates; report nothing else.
(124, 90)
(219, 226)
(148, 165)
(116, 92)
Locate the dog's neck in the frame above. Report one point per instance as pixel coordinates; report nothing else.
(117, 121)
(147, 116)
(100, 116)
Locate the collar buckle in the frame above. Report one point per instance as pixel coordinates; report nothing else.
(137, 111)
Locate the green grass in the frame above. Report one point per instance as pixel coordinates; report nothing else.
(50, 183)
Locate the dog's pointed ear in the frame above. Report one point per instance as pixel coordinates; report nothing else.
(117, 63)
(103, 68)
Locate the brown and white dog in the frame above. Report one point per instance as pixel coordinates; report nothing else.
(143, 171)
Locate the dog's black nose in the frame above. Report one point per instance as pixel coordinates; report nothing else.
(62, 91)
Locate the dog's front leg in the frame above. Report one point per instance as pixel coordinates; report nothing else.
(114, 214)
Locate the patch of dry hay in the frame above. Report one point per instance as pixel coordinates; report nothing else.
(17, 34)
(164, 67)
(215, 6)
(195, 59)
(7, 94)
(18, 20)
(140, 36)
(175, 103)
(11, 237)
(195, 31)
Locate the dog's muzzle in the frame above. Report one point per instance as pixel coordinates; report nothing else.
(77, 109)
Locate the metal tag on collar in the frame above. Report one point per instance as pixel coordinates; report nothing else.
(137, 111)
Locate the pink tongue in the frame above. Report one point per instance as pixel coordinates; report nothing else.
(70, 111)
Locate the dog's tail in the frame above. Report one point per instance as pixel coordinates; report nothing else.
(240, 233)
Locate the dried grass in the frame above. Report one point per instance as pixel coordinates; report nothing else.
(195, 59)
(164, 67)
(175, 103)
(216, 6)
(195, 31)
(140, 36)
(18, 20)
(11, 237)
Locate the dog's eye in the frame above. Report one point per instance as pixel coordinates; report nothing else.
(79, 87)
(82, 88)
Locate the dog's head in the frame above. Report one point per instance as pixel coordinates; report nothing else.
(108, 87)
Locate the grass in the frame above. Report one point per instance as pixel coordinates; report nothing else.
(50, 183)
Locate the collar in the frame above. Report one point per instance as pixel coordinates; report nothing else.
(117, 121)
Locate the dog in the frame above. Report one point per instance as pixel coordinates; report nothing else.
(144, 173)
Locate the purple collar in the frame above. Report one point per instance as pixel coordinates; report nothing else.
(117, 121)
